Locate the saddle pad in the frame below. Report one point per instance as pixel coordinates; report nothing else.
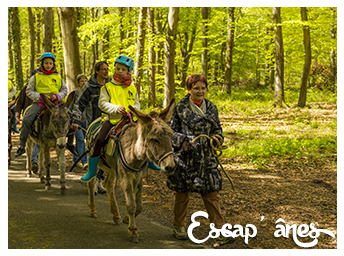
(92, 132)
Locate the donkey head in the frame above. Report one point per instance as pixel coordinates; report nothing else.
(157, 135)
(59, 120)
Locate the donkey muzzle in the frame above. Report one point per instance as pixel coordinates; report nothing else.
(61, 141)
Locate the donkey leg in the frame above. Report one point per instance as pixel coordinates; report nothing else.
(110, 185)
(62, 164)
(29, 145)
(41, 164)
(131, 210)
(47, 164)
(91, 198)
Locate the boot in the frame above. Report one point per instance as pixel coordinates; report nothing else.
(92, 168)
(14, 128)
(153, 166)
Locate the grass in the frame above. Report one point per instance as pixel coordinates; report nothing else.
(256, 131)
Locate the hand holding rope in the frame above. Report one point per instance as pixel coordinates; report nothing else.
(216, 150)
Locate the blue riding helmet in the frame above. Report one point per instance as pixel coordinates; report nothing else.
(47, 55)
(125, 61)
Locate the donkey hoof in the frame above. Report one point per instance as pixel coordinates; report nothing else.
(28, 174)
(126, 220)
(134, 239)
(47, 187)
(94, 215)
(117, 220)
(63, 191)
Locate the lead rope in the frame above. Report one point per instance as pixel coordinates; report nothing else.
(216, 150)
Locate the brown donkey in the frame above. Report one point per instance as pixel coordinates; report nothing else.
(52, 133)
(150, 139)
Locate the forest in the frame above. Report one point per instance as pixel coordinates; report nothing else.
(271, 71)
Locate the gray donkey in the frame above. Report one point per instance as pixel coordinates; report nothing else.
(51, 132)
(149, 138)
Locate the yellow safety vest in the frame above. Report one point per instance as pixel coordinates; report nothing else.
(9, 86)
(48, 83)
(119, 95)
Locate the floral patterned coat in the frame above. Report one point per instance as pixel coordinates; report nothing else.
(196, 170)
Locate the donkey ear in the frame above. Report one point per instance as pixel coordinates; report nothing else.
(141, 116)
(46, 101)
(166, 114)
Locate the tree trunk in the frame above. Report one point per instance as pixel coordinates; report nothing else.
(48, 28)
(333, 51)
(308, 59)
(160, 45)
(229, 50)
(141, 34)
(121, 29)
(106, 40)
(205, 18)
(151, 58)
(279, 56)
(170, 54)
(10, 51)
(16, 46)
(70, 46)
(186, 52)
(32, 39)
(38, 35)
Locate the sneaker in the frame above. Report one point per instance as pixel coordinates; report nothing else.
(34, 168)
(180, 233)
(79, 165)
(221, 240)
(72, 149)
(20, 151)
(100, 187)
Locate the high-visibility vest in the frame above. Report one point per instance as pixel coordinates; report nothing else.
(9, 86)
(48, 83)
(120, 95)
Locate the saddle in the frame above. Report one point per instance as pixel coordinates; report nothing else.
(109, 146)
(37, 123)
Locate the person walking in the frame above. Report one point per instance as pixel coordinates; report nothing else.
(196, 168)
(87, 101)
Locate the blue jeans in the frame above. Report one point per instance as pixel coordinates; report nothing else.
(80, 143)
(35, 151)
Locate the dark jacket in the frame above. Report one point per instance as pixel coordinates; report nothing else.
(196, 170)
(23, 101)
(87, 100)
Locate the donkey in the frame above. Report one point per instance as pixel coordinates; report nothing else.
(53, 130)
(150, 139)
(10, 115)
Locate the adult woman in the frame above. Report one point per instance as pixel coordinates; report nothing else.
(196, 168)
(81, 80)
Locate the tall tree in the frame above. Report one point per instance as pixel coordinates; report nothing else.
(121, 28)
(308, 58)
(38, 34)
(10, 51)
(48, 27)
(170, 46)
(279, 56)
(141, 34)
(188, 37)
(160, 43)
(151, 58)
(205, 18)
(106, 40)
(333, 51)
(32, 38)
(70, 46)
(229, 50)
(14, 15)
